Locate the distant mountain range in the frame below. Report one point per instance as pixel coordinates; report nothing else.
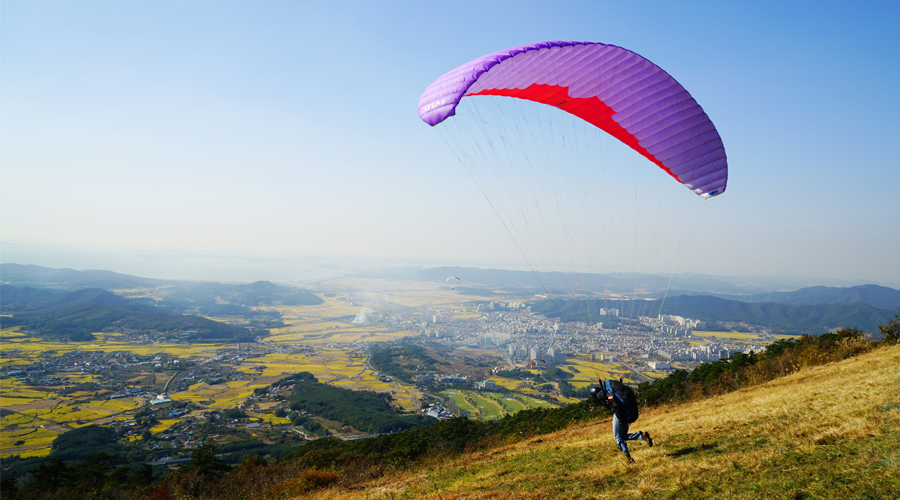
(813, 319)
(182, 295)
(77, 315)
(18, 274)
(70, 304)
(793, 318)
(480, 281)
(760, 301)
(876, 296)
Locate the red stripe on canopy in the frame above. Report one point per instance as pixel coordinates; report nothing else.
(590, 109)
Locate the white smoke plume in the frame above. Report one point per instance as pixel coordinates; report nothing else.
(363, 316)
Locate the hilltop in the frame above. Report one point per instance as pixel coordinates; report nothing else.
(19, 274)
(787, 318)
(75, 315)
(874, 295)
(181, 295)
(829, 431)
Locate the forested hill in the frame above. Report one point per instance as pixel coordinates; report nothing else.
(812, 319)
(363, 410)
(877, 296)
(787, 318)
(76, 315)
(206, 297)
(31, 275)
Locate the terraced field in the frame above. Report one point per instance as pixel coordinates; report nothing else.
(486, 405)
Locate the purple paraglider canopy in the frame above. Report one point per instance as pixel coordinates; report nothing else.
(608, 86)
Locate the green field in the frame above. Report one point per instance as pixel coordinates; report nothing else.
(461, 401)
(488, 408)
(487, 405)
(512, 404)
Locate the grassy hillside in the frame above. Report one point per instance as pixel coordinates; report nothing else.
(831, 431)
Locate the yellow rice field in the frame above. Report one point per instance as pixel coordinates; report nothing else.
(32, 348)
(9, 333)
(587, 372)
(511, 384)
(215, 396)
(119, 405)
(37, 452)
(163, 425)
(32, 437)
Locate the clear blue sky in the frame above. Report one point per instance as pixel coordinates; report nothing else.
(290, 128)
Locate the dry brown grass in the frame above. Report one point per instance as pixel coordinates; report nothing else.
(830, 431)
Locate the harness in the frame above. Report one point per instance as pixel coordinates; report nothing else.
(609, 390)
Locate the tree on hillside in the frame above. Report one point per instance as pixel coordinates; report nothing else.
(891, 331)
(143, 475)
(8, 486)
(51, 474)
(205, 461)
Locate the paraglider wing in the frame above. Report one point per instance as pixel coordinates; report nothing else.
(453, 278)
(608, 86)
(536, 359)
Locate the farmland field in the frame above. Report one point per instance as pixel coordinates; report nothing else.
(491, 405)
(31, 440)
(587, 372)
(461, 401)
(512, 405)
(511, 384)
(489, 409)
(726, 335)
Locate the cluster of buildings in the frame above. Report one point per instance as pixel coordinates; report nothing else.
(437, 411)
(525, 352)
(106, 367)
(705, 353)
(521, 336)
(455, 379)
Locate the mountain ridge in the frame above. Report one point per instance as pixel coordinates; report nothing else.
(878, 296)
(77, 315)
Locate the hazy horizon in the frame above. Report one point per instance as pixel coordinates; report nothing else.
(307, 269)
